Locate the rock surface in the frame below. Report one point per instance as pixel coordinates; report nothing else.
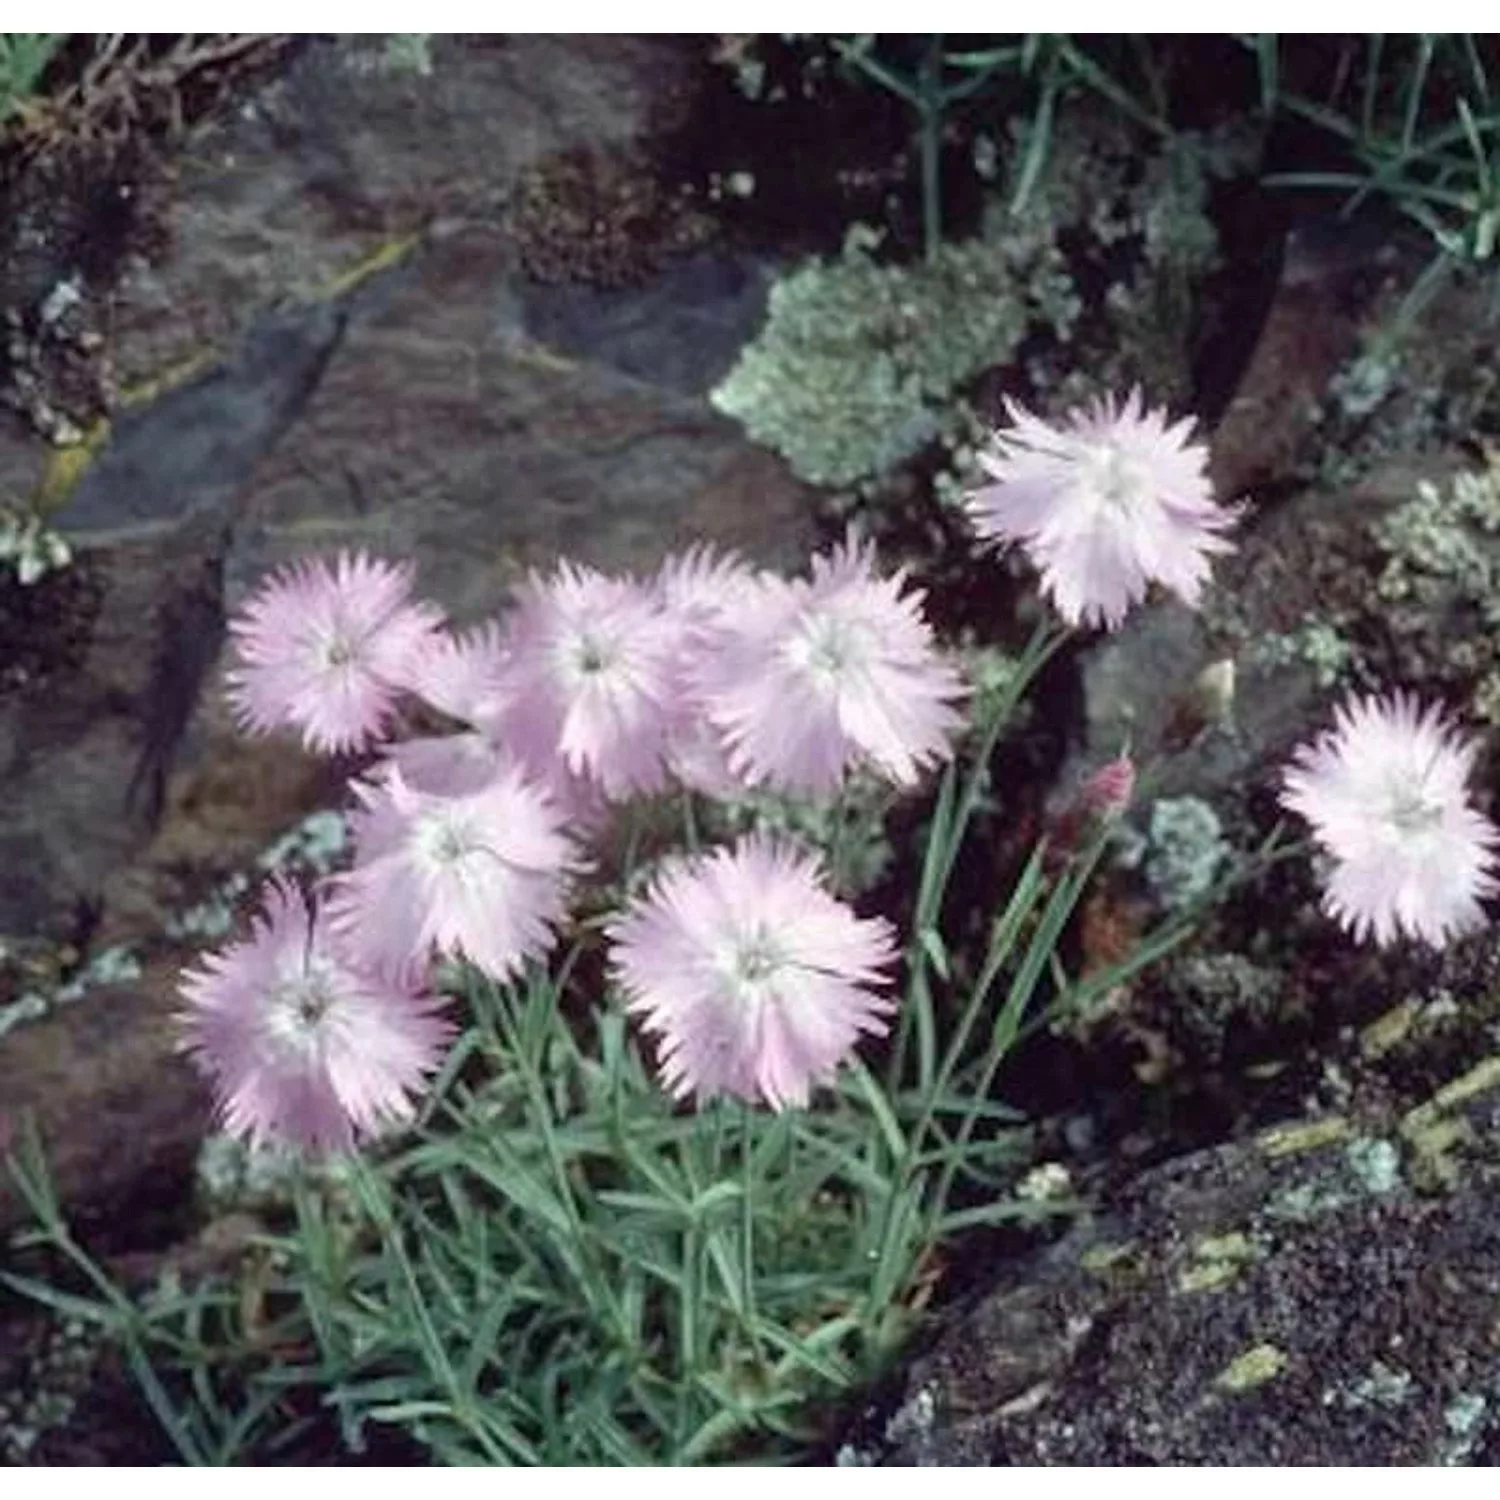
(330, 340)
(1321, 1294)
(340, 347)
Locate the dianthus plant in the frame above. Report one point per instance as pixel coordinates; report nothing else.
(647, 1159)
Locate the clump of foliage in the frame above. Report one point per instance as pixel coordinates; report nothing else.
(1421, 117)
(559, 1266)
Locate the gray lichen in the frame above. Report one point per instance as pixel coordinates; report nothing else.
(1185, 850)
(1317, 644)
(312, 846)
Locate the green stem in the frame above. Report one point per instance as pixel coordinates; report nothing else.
(930, 136)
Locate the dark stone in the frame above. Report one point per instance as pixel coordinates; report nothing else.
(1322, 1294)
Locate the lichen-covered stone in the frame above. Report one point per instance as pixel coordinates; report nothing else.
(859, 362)
(1440, 586)
(1290, 1300)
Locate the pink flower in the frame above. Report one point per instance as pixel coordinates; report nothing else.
(327, 650)
(1385, 794)
(808, 678)
(587, 679)
(458, 673)
(304, 1045)
(1104, 505)
(700, 590)
(755, 978)
(472, 871)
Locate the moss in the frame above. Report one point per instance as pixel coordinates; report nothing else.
(1107, 1258)
(1482, 1078)
(1388, 1030)
(1214, 994)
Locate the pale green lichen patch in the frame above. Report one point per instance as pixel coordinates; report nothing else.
(1217, 1261)
(1314, 643)
(858, 363)
(1183, 850)
(1255, 1367)
(1303, 1135)
(1382, 1387)
(1304, 1202)
(1376, 1163)
(1464, 1417)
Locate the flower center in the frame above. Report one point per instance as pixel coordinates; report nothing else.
(441, 841)
(591, 656)
(1115, 478)
(1412, 812)
(298, 1008)
(752, 962)
(340, 651)
(829, 648)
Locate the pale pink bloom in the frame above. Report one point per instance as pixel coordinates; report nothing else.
(1105, 504)
(754, 977)
(587, 679)
(327, 649)
(1385, 792)
(471, 872)
(450, 765)
(459, 673)
(700, 590)
(464, 763)
(302, 1043)
(697, 583)
(811, 678)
